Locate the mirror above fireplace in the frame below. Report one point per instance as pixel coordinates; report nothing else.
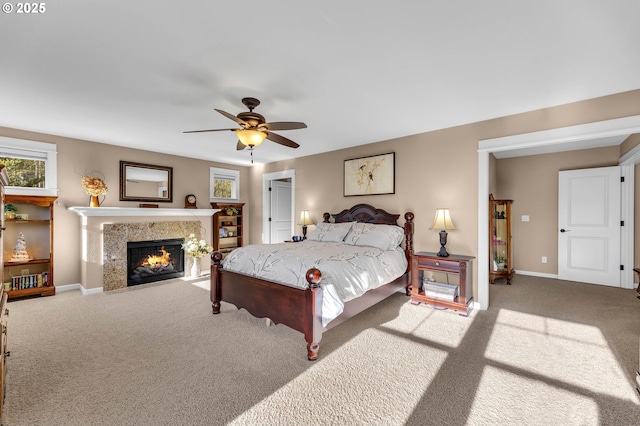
(145, 182)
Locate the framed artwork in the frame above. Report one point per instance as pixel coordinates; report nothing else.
(373, 175)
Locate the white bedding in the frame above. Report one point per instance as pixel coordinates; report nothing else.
(347, 271)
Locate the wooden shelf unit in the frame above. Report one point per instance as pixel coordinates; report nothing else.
(426, 262)
(500, 248)
(4, 312)
(231, 225)
(38, 232)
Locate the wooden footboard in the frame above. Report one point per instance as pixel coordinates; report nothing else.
(298, 309)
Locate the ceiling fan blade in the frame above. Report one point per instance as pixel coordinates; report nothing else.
(240, 146)
(232, 117)
(212, 130)
(281, 140)
(284, 125)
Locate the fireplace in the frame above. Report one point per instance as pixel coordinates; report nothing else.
(155, 260)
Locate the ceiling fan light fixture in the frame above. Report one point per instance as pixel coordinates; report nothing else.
(250, 137)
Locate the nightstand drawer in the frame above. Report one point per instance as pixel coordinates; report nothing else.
(438, 264)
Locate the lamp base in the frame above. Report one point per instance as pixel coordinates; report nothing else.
(442, 252)
(443, 242)
(304, 232)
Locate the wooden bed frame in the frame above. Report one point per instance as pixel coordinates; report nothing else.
(302, 309)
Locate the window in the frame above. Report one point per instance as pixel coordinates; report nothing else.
(25, 172)
(224, 184)
(32, 166)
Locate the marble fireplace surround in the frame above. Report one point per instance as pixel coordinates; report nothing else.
(106, 231)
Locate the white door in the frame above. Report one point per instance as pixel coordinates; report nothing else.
(281, 220)
(589, 226)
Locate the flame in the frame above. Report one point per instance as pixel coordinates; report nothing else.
(155, 261)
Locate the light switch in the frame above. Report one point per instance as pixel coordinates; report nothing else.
(525, 218)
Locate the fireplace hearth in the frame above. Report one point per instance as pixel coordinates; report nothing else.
(154, 260)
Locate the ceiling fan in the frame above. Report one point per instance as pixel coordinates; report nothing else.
(254, 129)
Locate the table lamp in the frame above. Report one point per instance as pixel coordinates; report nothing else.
(304, 221)
(443, 222)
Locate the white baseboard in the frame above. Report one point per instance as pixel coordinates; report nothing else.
(555, 277)
(537, 274)
(70, 287)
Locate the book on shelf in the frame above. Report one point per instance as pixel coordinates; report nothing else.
(21, 282)
(440, 291)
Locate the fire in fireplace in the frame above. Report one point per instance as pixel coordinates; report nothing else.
(149, 261)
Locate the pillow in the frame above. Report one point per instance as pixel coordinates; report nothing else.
(384, 237)
(330, 232)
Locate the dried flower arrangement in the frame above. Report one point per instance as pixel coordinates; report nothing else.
(94, 186)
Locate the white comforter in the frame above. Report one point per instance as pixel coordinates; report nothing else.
(347, 271)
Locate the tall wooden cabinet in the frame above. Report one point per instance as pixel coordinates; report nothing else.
(34, 222)
(500, 244)
(4, 312)
(228, 232)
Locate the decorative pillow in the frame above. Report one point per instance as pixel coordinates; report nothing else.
(330, 232)
(384, 237)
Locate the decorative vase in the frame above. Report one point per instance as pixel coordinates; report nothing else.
(94, 201)
(195, 268)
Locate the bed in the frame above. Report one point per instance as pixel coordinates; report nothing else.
(300, 306)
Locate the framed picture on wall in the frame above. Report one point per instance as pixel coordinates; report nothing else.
(372, 175)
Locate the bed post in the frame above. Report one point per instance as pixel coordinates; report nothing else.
(408, 234)
(313, 320)
(216, 293)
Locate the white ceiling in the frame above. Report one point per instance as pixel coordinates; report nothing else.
(139, 73)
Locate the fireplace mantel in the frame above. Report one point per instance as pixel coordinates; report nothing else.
(136, 211)
(106, 230)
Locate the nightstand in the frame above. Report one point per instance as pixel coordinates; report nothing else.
(422, 263)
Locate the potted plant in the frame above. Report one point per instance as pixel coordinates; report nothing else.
(10, 211)
(502, 263)
(230, 211)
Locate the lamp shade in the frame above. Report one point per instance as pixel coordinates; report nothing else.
(304, 218)
(251, 137)
(443, 221)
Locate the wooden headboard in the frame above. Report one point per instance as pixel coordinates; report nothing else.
(364, 213)
(368, 214)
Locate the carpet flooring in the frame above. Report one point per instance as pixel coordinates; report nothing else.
(545, 352)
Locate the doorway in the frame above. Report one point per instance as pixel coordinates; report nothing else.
(278, 201)
(562, 139)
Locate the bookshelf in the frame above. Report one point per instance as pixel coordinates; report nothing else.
(228, 232)
(33, 221)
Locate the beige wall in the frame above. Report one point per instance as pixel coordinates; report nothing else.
(75, 157)
(532, 182)
(423, 183)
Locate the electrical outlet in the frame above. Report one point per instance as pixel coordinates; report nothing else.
(24, 272)
(544, 259)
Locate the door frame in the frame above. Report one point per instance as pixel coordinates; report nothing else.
(266, 204)
(562, 139)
